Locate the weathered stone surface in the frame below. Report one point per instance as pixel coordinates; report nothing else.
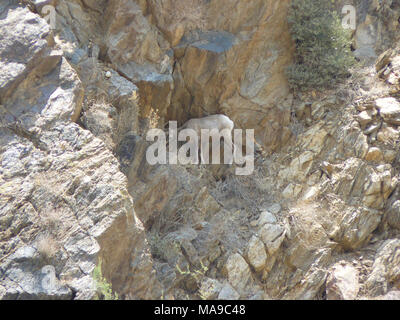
(386, 268)
(364, 118)
(133, 43)
(114, 113)
(272, 235)
(138, 64)
(342, 282)
(33, 284)
(393, 214)
(291, 191)
(299, 167)
(139, 52)
(76, 209)
(228, 293)
(389, 109)
(82, 220)
(388, 66)
(388, 135)
(356, 227)
(374, 154)
(266, 217)
(237, 271)
(377, 24)
(308, 238)
(392, 295)
(210, 289)
(23, 43)
(275, 208)
(307, 284)
(256, 254)
(378, 188)
(205, 82)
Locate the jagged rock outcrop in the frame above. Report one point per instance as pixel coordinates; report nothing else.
(342, 282)
(64, 202)
(385, 270)
(183, 68)
(318, 218)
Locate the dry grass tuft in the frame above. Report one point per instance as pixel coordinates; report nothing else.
(47, 247)
(51, 220)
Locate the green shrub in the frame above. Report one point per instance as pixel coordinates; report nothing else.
(323, 55)
(103, 288)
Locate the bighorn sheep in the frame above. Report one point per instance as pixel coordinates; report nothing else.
(216, 121)
(219, 122)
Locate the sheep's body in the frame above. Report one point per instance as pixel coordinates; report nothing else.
(217, 121)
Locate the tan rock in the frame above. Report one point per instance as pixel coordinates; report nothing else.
(374, 154)
(308, 287)
(257, 82)
(388, 135)
(275, 208)
(175, 34)
(79, 212)
(354, 226)
(389, 155)
(210, 288)
(342, 282)
(364, 118)
(385, 270)
(228, 293)
(383, 60)
(130, 37)
(266, 217)
(389, 109)
(256, 254)
(272, 235)
(393, 214)
(237, 271)
(291, 191)
(391, 295)
(310, 194)
(298, 168)
(313, 139)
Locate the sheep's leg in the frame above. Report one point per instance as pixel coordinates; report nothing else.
(232, 149)
(202, 152)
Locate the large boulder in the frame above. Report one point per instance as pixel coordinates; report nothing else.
(342, 282)
(385, 269)
(389, 109)
(64, 204)
(24, 41)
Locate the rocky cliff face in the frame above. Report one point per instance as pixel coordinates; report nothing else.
(319, 218)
